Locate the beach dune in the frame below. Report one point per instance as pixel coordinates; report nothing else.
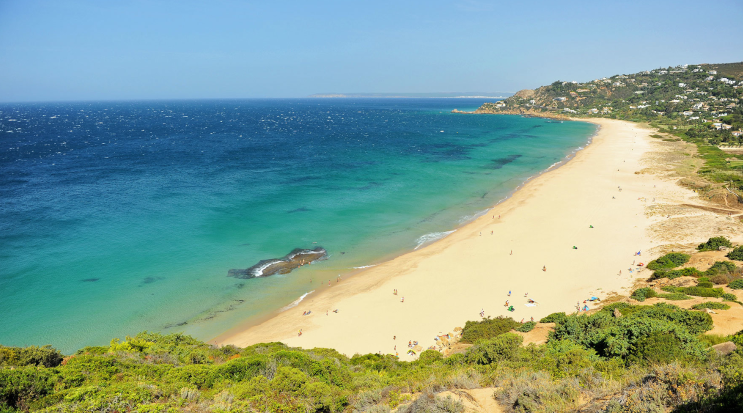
(531, 251)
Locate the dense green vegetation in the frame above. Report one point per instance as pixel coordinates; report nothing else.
(650, 358)
(711, 305)
(671, 260)
(487, 328)
(714, 243)
(721, 272)
(736, 254)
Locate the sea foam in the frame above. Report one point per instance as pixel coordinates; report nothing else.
(431, 237)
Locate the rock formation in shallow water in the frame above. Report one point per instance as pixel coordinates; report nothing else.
(284, 265)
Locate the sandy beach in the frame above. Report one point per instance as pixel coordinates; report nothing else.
(525, 245)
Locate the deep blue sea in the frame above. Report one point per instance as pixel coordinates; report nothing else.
(121, 217)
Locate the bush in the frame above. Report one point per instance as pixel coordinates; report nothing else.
(720, 267)
(502, 347)
(675, 296)
(488, 328)
(703, 292)
(526, 327)
(670, 260)
(429, 357)
(684, 272)
(711, 305)
(30, 356)
(658, 347)
(643, 293)
(554, 318)
(736, 284)
(736, 254)
(729, 297)
(714, 243)
(623, 337)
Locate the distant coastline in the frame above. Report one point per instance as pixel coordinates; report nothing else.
(456, 95)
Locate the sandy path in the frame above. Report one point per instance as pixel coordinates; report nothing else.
(452, 280)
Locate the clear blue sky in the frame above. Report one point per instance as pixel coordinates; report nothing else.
(107, 50)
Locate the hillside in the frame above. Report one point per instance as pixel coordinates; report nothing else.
(702, 104)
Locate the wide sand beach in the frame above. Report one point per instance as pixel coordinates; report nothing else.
(596, 203)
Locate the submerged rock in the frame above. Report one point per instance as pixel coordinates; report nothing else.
(290, 261)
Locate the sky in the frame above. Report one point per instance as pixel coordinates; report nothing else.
(71, 50)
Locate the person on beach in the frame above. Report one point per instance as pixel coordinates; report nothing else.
(506, 305)
(335, 311)
(402, 300)
(326, 312)
(509, 293)
(300, 332)
(525, 294)
(544, 268)
(511, 252)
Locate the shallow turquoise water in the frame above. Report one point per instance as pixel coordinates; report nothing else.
(123, 217)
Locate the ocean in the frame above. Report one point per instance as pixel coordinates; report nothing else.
(120, 217)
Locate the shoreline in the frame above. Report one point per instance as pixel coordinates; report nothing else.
(356, 271)
(449, 281)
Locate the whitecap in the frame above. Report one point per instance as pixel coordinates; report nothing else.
(297, 301)
(431, 237)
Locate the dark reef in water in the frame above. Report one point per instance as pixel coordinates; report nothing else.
(284, 265)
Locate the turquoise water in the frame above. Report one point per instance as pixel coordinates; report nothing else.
(123, 217)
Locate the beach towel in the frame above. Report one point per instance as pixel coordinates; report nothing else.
(530, 305)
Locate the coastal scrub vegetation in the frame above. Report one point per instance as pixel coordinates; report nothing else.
(714, 244)
(621, 358)
(736, 254)
(670, 260)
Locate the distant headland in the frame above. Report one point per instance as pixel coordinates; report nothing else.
(472, 95)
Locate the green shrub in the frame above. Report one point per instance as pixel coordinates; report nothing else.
(657, 347)
(502, 347)
(711, 305)
(736, 284)
(526, 327)
(736, 254)
(675, 296)
(610, 336)
(671, 274)
(30, 356)
(488, 328)
(720, 267)
(670, 260)
(554, 318)
(671, 289)
(429, 357)
(21, 386)
(714, 243)
(705, 284)
(643, 293)
(729, 297)
(703, 292)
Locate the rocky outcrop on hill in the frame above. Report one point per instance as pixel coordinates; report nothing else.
(289, 262)
(525, 94)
